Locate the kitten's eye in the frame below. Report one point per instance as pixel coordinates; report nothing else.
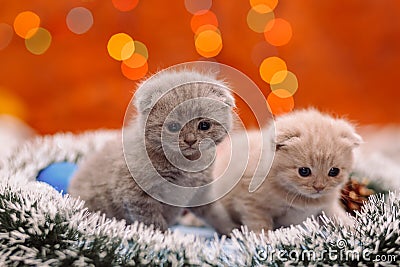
(174, 127)
(333, 172)
(304, 171)
(204, 125)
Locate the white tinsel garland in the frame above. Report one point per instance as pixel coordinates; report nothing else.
(40, 227)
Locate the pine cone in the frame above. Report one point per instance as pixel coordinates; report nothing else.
(354, 193)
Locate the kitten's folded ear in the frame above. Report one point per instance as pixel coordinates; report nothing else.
(145, 99)
(285, 137)
(224, 95)
(348, 133)
(352, 138)
(142, 105)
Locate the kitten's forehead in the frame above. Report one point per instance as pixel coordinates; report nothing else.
(192, 100)
(316, 139)
(319, 153)
(311, 124)
(166, 79)
(322, 139)
(150, 91)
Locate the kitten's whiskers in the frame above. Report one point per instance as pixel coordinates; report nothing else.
(295, 195)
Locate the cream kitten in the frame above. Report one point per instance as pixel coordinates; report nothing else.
(177, 113)
(313, 158)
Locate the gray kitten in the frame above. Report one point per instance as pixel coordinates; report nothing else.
(181, 115)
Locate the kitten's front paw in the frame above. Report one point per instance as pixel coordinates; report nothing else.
(160, 225)
(189, 219)
(258, 226)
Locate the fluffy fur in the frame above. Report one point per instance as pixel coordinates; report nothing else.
(305, 138)
(104, 180)
(379, 156)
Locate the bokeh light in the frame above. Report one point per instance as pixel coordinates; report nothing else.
(39, 42)
(26, 24)
(79, 20)
(289, 83)
(278, 32)
(135, 61)
(121, 46)
(208, 43)
(194, 6)
(6, 34)
(125, 5)
(205, 28)
(208, 40)
(210, 54)
(134, 73)
(202, 18)
(11, 104)
(257, 4)
(258, 17)
(141, 49)
(282, 93)
(279, 105)
(270, 66)
(204, 24)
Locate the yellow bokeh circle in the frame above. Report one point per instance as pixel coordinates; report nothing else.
(289, 83)
(258, 17)
(210, 54)
(282, 93)
(208, 43)
(121, 46)
(141, 49)
(270, 66)
(26, 24)
(205, 28)
(269, 3)
(39, 41)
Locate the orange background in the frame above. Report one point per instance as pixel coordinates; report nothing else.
(346, 56)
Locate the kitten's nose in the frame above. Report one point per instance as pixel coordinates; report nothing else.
(319, 187)
(190, 139)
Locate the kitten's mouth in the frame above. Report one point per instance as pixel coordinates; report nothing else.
(313, 195)
(191, 153)
(316, 194)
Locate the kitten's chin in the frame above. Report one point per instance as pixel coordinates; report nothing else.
(191, 154)
(315, 195)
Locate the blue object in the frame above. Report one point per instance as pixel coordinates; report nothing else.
(58, 175)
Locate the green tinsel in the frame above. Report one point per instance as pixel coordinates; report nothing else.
(40, 227)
